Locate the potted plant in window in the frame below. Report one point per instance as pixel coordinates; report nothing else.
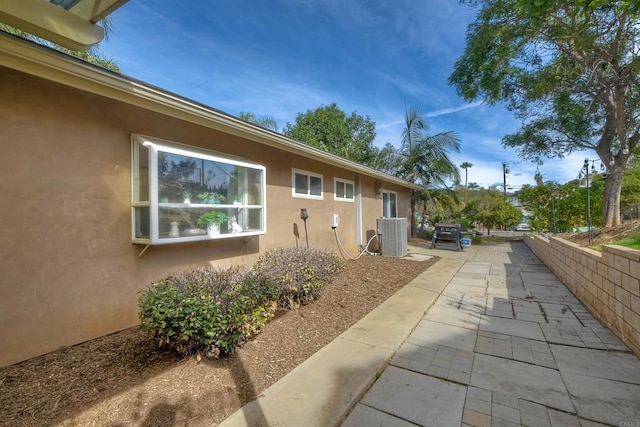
(186, 196)
(212, 221)
(211, 198)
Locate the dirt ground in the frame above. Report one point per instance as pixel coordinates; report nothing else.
(123, 379)
(604, 235)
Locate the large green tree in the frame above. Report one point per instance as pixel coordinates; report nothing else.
(329, 128)
(569, 69)
(442, 204)
(561, 207)
(387, 159)
(491, 209)
(630, 194)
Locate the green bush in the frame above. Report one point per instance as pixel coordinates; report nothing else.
(298, 273)
(426, 234)
(213, 311)
(207, 310)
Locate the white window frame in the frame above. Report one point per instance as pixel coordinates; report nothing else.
(344, 183)
(243, 207)
(386, 204)
(308, 174)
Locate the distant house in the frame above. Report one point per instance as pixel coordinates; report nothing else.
(105, 181)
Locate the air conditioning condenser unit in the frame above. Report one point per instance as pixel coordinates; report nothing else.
(393, 236)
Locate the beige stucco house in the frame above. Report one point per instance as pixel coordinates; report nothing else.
(104, 179)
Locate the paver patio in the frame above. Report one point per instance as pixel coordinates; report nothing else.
(505, 344)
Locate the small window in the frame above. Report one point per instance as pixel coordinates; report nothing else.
(343, 190)
(306, 184)
(389, 204)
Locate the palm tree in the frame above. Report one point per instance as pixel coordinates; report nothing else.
(466, 166)
(266, 122)
(415, 124)
(426, 160)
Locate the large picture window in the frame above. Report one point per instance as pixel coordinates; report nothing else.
(182, 194)
(389, 204)
(306, 184)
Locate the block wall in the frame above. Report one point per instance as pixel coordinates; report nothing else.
(607, 282)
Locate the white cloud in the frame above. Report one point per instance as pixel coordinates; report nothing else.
(446, 111)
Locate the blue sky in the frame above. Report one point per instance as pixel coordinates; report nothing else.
(281, 57)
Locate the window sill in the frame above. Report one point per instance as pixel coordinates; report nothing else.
(203, 236)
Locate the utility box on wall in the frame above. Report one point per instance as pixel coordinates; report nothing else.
(393, 236)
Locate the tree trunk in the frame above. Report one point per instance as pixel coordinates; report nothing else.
(413, 213)
(466, 191)
(611, 205)
(424, 216)
(615, 172)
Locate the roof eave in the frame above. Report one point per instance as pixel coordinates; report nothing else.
(74, 28)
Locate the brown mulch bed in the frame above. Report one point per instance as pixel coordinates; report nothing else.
(123, 379)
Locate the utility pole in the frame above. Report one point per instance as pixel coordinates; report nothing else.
(586, 171)
(505, 171)
(553, 210)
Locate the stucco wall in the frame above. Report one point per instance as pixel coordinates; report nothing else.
(69, 271)
(606, 282)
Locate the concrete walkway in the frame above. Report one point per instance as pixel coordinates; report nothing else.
(485, 337)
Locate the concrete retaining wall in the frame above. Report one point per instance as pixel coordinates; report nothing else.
(606, 282)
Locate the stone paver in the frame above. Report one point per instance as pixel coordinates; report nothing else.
(595, 336)
(443, 334)
(609, 365)
(525, 381)
(363, 415)
(436, 360)
(511, 326)
(417, 398)
(604, 401)
(516, 348)
(460, 312)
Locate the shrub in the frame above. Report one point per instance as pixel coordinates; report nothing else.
(207, 310)
(298, 273)
(427, 234)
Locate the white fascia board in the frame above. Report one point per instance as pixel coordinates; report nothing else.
(95, 10)
(51, 22)
(51, 65)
